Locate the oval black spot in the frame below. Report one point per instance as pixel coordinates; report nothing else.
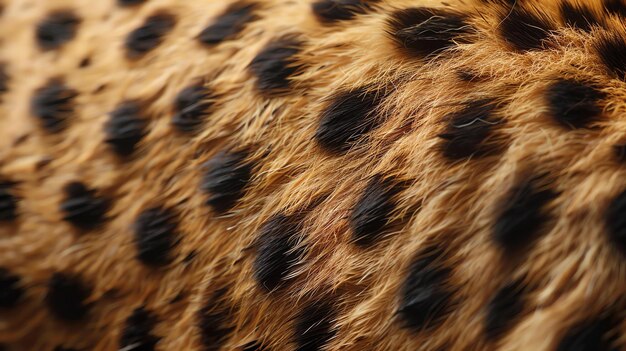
(8, 202)
(593, 334)
(612, 49)
(225, 179)
(524, 30)
(580, 16)
(156, 234)
(83, 207)
(214, 321)
(521, 216)
(275, 65)
(427, 31)
(470, 131)
(574, 104)
(315, 326)
(150, 35)
(56, 29)
(130, 2)
(426, 299)
(125, 128)
(371, 214)
(53, 104)
(504, 309)
(4, 79)
(11, 290)
(137, 334)
(229, 24)
(277, 251)
(85, 62)
(469, 75)
(350, 115)
(66, 297)
(329, 11)
(192, 107)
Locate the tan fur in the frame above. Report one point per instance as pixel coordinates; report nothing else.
(574, 272)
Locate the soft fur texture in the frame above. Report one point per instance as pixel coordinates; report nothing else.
(312, 175)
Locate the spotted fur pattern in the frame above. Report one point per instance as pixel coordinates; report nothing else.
(313, 175)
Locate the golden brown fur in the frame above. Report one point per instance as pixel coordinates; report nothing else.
(572, 272)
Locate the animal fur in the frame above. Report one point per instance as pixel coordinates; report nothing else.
(312, 175)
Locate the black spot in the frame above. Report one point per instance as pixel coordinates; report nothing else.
(4, 79)
(130, 2)
(371, 214)
(229, 24)
(137, 334)
(329, 11)
(192, 108)
(579, 16)
(213, 321)
(56, 29)
(427, 31)
(8, 202)
(125, 128)
(573, 104)
(226, 177)
(590, 335)
(504, 309)
(83, 207)
(612, 50)
(149, 35)
(53, 104)
(525, 30)
(616, 221)
(11, 290)
(275, 65)
(615, 7)
(469, 132)
(156, 234)
(314, 326)
(468, 75)
(521, 216)
(426, 299)
(85, 62)
(66, 297)
(277, 250)
(350, 115)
